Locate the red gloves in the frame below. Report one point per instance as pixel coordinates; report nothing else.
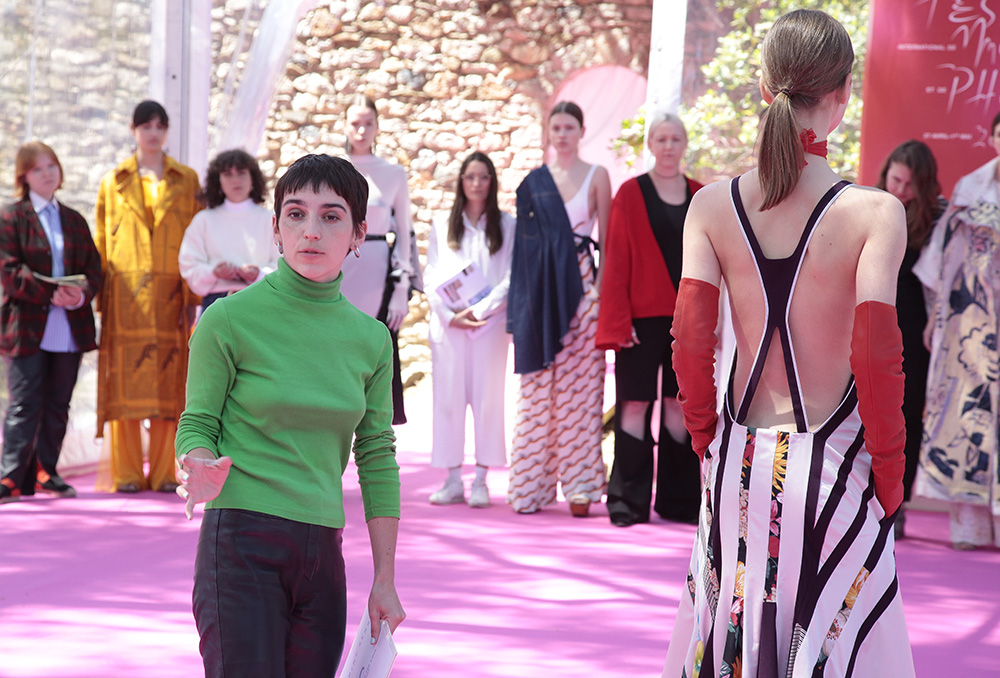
(696, 316)
(877, 363)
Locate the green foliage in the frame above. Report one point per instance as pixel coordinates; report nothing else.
(722, 122)
(629, 143)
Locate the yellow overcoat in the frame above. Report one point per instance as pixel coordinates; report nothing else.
(142, 360)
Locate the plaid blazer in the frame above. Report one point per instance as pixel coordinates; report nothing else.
(24, 248)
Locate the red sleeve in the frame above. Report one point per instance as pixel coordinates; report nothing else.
(877, 364)
(614, 319)
(696, 316)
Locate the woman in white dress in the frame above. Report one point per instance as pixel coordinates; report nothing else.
(381, 263)
(469, 342)
(231, 244)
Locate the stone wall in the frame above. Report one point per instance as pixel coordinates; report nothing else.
(450, 77)
(70, 73)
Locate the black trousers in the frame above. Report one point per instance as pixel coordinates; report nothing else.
(270, 596)
(40, 388)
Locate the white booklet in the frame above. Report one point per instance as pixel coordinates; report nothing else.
(76, 280)
(366, 660)
(464, 289)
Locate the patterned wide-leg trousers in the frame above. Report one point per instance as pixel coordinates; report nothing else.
(558, 426)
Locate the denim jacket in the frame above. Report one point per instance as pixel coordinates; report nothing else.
(545, 286)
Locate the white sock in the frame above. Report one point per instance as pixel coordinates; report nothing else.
(481, 474)
(455, 474)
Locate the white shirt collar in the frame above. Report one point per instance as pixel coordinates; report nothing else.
(40, 203)
(480, 224)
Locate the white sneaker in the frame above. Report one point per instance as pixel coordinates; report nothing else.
(479, 496)
(450, 493)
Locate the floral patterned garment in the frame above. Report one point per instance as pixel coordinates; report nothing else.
(959, 451)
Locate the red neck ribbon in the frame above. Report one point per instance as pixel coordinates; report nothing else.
(810, 145)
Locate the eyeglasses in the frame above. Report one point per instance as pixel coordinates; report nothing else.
(477, 178)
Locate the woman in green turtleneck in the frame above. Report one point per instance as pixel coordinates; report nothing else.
(283, 375)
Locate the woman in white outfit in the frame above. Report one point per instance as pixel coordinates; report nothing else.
(469, 344)
(389, 211)
(231, 244)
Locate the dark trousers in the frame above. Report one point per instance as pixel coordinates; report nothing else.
(270, 596)
(210, 299)
(40, 388)
(398, 410)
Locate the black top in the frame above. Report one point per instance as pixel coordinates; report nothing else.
(667, 222)
(778, 277)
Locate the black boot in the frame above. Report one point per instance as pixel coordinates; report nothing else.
(678, 479)
(630, 488)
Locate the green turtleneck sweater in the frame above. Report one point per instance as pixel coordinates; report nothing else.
(282, 375)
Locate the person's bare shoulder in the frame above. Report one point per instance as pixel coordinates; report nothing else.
(874, 212)
(711, 205)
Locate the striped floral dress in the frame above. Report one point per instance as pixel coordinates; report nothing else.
(793, 573)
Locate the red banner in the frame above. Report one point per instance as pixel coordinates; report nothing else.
(932, 73)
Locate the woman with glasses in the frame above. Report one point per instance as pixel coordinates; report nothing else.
(467, 276)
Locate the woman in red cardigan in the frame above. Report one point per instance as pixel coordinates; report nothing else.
(642, 271)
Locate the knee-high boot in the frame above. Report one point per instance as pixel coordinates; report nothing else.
(678, 479)
(630, 488)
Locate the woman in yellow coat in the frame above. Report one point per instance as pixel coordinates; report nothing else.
(143, 208)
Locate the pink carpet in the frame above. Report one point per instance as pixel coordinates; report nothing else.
(99, 587)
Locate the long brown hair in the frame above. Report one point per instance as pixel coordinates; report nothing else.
(923, 210)
(806, 55)
(456, 225)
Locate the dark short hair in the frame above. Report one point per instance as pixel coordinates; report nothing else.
(317, 171)
(212, 195)
(996, 121)
(27, 158)
(146, 111)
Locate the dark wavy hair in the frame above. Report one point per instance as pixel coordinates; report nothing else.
(317, 172)
(456, 225)
(924, 209)
(212, 194)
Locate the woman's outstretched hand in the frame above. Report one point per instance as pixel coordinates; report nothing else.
(201, 478)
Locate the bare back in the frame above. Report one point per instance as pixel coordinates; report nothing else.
(853, 255)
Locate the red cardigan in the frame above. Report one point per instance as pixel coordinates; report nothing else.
(636, 282)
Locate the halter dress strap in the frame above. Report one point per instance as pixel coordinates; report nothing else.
(778, 278)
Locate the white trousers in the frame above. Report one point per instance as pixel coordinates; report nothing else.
(469, 372)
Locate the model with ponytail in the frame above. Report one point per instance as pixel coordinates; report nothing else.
(793, 571)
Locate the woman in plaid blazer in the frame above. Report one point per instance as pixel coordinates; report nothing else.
(45, 326)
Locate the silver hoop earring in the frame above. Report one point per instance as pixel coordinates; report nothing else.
(357, 251)
(281, 250)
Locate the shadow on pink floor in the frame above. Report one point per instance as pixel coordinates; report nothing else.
(99, 587)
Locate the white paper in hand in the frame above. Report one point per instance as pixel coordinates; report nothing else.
(366, 660)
